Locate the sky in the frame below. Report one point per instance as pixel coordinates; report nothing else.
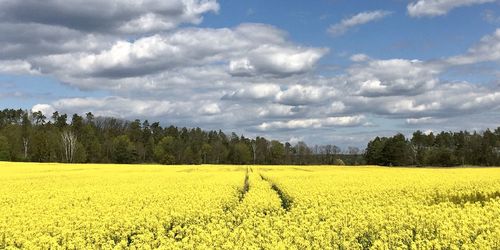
(324, 72)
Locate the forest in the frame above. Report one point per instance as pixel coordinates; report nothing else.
(31, 136)
(440, 149)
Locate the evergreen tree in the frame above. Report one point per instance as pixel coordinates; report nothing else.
(4, 149)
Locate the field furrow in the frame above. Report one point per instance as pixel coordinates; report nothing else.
(286, 200)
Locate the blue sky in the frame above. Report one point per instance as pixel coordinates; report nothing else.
(326, 71)
(397, 35)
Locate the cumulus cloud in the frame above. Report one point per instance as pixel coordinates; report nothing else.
(289, 95)
(17, 67)
(359, 58)
(445, 100)
(312, 123)
(115, 106)
(276, 60)
(336, 107)
(263, 55)
(210, 109)
(46, 109)
(391, 77)
(487, 49)
(255, 91)
(75, 26)
(423, 120)
(356, 20)
(123, 16)
(40, 39)
(302, 95)
(278, 111)
(431, 8)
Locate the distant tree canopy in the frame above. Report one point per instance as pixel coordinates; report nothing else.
(31, 136)
(443, 149)
(4, 149)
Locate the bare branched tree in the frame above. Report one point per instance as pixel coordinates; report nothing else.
(69, 145)
(25, 147)
(254, 148)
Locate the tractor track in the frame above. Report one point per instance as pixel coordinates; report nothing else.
(286, 200)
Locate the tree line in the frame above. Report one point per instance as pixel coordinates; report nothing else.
(441, 149)
(31, 136)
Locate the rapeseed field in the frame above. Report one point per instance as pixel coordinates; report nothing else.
(92, 206)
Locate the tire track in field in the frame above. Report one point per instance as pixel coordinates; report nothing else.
(241, 193)
(286, 200)
(246, 187)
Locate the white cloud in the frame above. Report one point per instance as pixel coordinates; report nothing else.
(359, 58)
(423, 120)
(122, 16)
(392, 77)
(246, 54)
(421, 8)
(255, 91)
(294, 140)
(17, 67)
(241, 67)
(312, 123)
(117, 106)
(356, 20)
(410, 106)
(478, 101)
(40, 39)
(210, 109)
(46, 109)
(445, 100)
(336, 107)
(277, 60)
(276, 110)
(303, 95)
(488, 49)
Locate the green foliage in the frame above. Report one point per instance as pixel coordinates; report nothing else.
(374, 151)
(443, 149)
(34, 137)
(276, 152)
(396, 151)
(123, 150)
(205, 150)
(80, 153)
(241, 153)
(101, 139)
(164, 150)
(339, 162)
(4, 149)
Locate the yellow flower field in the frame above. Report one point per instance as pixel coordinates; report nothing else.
(92, 206)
